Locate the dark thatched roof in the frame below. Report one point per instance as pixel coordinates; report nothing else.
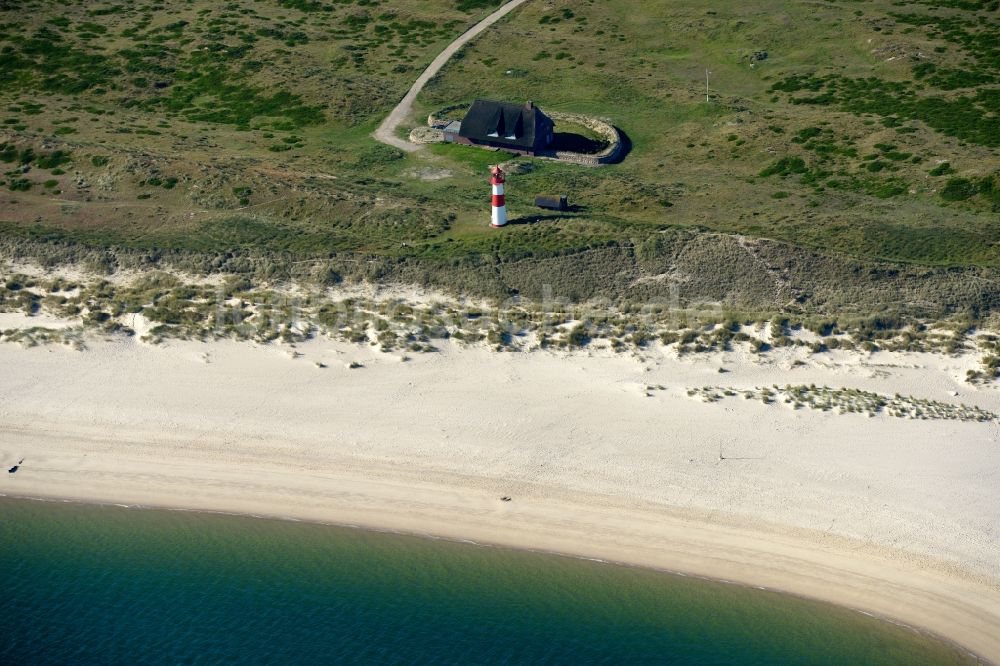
(506, 124)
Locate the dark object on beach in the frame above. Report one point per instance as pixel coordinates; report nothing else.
(15, 467)
(552, 203)
(505, 498)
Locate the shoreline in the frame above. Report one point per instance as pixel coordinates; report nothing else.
(828, 594)
(922, 631)
(888, 516)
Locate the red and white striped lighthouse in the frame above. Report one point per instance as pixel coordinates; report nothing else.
(497, 180)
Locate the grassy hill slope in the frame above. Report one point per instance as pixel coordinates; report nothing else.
(847, 155)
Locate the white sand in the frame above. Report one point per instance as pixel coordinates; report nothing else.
(892, 516)
(20, 320)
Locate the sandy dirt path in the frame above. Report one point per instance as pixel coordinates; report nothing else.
(386, 132)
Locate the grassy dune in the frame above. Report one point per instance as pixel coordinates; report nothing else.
(827, 126)
(236, 137)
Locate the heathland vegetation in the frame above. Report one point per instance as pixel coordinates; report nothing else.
(846, 157)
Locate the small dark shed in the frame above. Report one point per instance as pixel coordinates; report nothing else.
(514, 127)
(552, 203)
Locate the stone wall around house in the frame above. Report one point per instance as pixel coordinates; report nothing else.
(425, 135)
(436, 119)
(610, 155)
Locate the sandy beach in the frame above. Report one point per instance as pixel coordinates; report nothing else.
(891, 516)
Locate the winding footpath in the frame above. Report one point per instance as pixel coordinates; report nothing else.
(386, 132)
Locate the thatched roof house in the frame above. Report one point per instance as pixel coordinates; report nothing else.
(513, 127)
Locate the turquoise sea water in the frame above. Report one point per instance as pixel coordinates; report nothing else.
(107, 585)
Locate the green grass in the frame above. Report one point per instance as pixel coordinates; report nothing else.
(229, 64)
(652, 86)
(208, 129)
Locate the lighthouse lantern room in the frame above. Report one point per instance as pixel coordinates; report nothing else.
(499, 217)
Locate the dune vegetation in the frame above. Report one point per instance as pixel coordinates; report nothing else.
(845, 158)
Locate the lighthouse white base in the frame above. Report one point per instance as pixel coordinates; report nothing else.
(499, 217)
